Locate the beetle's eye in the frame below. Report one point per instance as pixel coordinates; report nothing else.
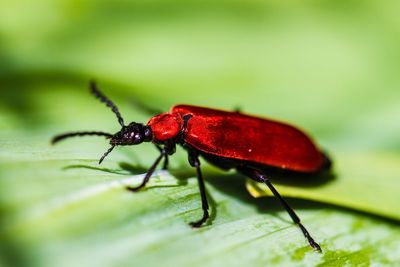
(138, 136)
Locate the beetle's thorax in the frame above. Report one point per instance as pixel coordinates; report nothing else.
(166, 126)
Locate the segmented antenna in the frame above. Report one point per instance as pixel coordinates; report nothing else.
(108, 102)
(60, 137)
(105, 154)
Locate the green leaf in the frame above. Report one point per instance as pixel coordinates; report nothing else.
(70, 214)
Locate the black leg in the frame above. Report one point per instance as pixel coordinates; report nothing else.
(194, 162)
(166, 161)
(260, 177)
(149, 173)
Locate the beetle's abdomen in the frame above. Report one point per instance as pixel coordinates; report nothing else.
(242, 137)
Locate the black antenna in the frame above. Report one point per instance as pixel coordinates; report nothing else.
(60, 137)
(105, 154)
(108, 102)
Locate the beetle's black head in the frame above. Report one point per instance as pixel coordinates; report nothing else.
(133, 134)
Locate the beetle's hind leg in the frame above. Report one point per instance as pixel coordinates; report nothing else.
(194, 162)
(262, 178)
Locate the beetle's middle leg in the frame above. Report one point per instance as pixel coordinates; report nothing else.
(262, 178)
(153, 167)
(194, 162)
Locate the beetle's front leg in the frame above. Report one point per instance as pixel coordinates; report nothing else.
(194, 162)
(166, 161)
(149, 172)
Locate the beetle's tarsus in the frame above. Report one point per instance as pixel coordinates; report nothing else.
(310, 240)
(315, 246)
(134, 189)
(200, 222)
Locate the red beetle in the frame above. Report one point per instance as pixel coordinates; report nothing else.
(253, 146)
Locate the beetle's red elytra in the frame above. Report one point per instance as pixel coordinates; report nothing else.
(229, 140)
(242, 137)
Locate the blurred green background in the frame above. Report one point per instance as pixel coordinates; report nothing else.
(331, 67)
